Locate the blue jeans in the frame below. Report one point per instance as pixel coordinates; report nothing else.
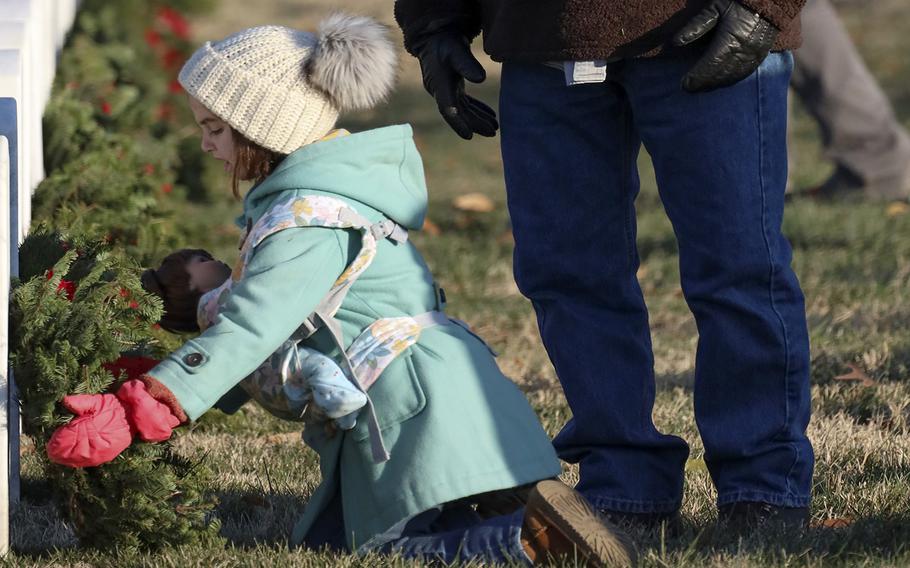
(721, 163)
(446, 534)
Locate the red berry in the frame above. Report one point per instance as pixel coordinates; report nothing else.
(175, 22)
(152, 38)
(68, 287)
(172, 59)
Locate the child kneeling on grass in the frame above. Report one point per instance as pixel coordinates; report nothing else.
(325, 263)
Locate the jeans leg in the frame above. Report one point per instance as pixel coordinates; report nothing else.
(569, 155)
(721, 165)
(459, 534)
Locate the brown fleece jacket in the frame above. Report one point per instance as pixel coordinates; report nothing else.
(560, 30)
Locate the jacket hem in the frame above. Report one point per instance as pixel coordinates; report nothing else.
(592, 52)
(443, 492)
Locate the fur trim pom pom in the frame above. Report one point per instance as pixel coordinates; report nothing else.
(354, 61)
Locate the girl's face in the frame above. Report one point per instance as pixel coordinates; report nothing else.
(206, 273)
(217, 136)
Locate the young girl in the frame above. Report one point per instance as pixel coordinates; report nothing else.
(325, 260)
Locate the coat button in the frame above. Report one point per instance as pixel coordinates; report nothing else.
(193, 359)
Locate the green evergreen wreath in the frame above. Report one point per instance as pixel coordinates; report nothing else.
(75, 309)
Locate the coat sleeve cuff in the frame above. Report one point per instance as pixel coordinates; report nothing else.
(164, 395)
(779, 12)
(419, 20)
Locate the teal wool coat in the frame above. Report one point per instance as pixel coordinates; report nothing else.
(453, 424)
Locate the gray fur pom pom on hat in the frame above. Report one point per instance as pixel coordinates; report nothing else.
(284, 88)
(354, 61)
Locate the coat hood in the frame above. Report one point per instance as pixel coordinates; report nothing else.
(379, 168)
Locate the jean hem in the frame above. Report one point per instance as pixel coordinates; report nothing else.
(517, 550)
(776, 499)
(634, 506)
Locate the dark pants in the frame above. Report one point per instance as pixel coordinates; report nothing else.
(721, 162)
(446, 534)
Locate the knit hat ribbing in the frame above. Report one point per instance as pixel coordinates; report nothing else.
(284, 88)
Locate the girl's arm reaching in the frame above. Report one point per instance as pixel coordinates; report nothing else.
(287, 277)
(289, 274)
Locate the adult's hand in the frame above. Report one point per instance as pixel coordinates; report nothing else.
(741, 41)
(445, 62)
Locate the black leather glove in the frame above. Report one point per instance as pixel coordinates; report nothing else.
(445, 62)
(742, 40)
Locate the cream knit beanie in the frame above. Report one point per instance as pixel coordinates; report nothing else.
(283, 88)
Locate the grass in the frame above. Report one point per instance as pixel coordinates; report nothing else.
(854, 263)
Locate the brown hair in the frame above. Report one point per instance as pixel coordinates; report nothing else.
(252, 163)
(171, 283)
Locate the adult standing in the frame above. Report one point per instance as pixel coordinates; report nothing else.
(703, 85)
(868, 145)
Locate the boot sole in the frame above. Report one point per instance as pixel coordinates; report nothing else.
(602, 545)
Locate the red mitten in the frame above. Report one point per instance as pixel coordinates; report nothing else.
(151, 420)
(97, 435)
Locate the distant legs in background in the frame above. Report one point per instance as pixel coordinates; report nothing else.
(860, 133)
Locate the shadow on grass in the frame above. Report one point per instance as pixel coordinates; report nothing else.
(671, 381)
(251, 519)
(37, 529)
(703, 544)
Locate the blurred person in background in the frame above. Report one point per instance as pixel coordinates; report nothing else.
(860, 133)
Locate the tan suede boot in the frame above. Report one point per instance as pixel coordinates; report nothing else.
(560, 523)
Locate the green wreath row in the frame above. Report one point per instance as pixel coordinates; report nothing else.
(118, 167)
